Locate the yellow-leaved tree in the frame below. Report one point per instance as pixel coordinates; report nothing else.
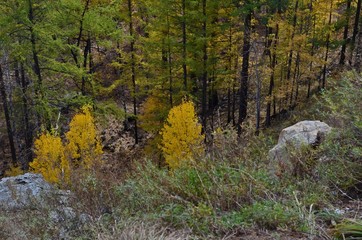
(84, 147)
(50, 160)
(55, 160)
(181, 135)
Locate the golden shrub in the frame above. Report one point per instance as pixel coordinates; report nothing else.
(181, 135)
(84, 147)
(50, 160)
(55, 160)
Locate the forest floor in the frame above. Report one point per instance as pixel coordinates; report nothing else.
(228, 194)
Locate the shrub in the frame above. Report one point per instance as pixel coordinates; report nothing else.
(50, 160)
(83, 146)
(181, 135)
(54, 159)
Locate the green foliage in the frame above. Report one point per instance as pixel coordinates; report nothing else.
(349, 229)
(270, 215)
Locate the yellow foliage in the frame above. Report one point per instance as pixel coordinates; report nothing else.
(181, 135)
(53, 159)
(83, 146)
(13, 171)
(50, 160)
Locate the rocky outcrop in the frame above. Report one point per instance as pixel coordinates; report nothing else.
(24, 191)
(305, 133)
(30, 193)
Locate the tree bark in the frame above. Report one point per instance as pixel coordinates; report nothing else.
(272, 76)
(7, 118)
(184, 42)
(244, 74)
(204, 74)
(345, 33)
(355, 27)
(133, 69)
(322, 84)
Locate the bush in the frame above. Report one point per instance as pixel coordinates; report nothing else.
(181, 135)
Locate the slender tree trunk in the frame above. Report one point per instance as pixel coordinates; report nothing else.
(7, 118)
(204, 74)
(133, 68)
(323, 84)
(234, 92)
(345, 33)
(258, 100)
(169, 63)
(80, 34)
(272, 76)
(358, 61)
(230, 84)
(28, 130)
(85, 64)
(296, 81)
(290, 58)
(355, 27)
(312, 24)
(38, 89)
(243, 102)
(184, 42)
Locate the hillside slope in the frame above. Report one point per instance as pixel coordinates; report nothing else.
(229, 194)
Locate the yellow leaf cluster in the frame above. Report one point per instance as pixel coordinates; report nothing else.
(181, 135)
(50, 160)
(13, 171)
(83, 145)
(55, 160)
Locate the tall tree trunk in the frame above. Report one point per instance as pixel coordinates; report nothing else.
(133, 68)
(229, 70)
(169, 63)
(272, 76)
(204, 74)
(244, 74)
(234, 92)
(358, 61)
(184, 42)
(37, 70)
(355, 26)
(7, 118)
(290, 58)
(39, 91)
(323, 84)
(345, 33)
(85, 64)
(312, 21)
(28, 130)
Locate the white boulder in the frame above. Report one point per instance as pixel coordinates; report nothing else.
(304, 133)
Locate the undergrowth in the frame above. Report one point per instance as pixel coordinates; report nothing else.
(230, 189)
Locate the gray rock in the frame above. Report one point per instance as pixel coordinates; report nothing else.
(24, 191)
(305, 133)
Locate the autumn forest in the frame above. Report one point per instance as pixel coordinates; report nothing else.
(175, 74)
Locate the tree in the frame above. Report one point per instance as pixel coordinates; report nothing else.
(7, 118)
(55, 160)
(244, 73)
(83, 148)
(50, 159)
(181, 135)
